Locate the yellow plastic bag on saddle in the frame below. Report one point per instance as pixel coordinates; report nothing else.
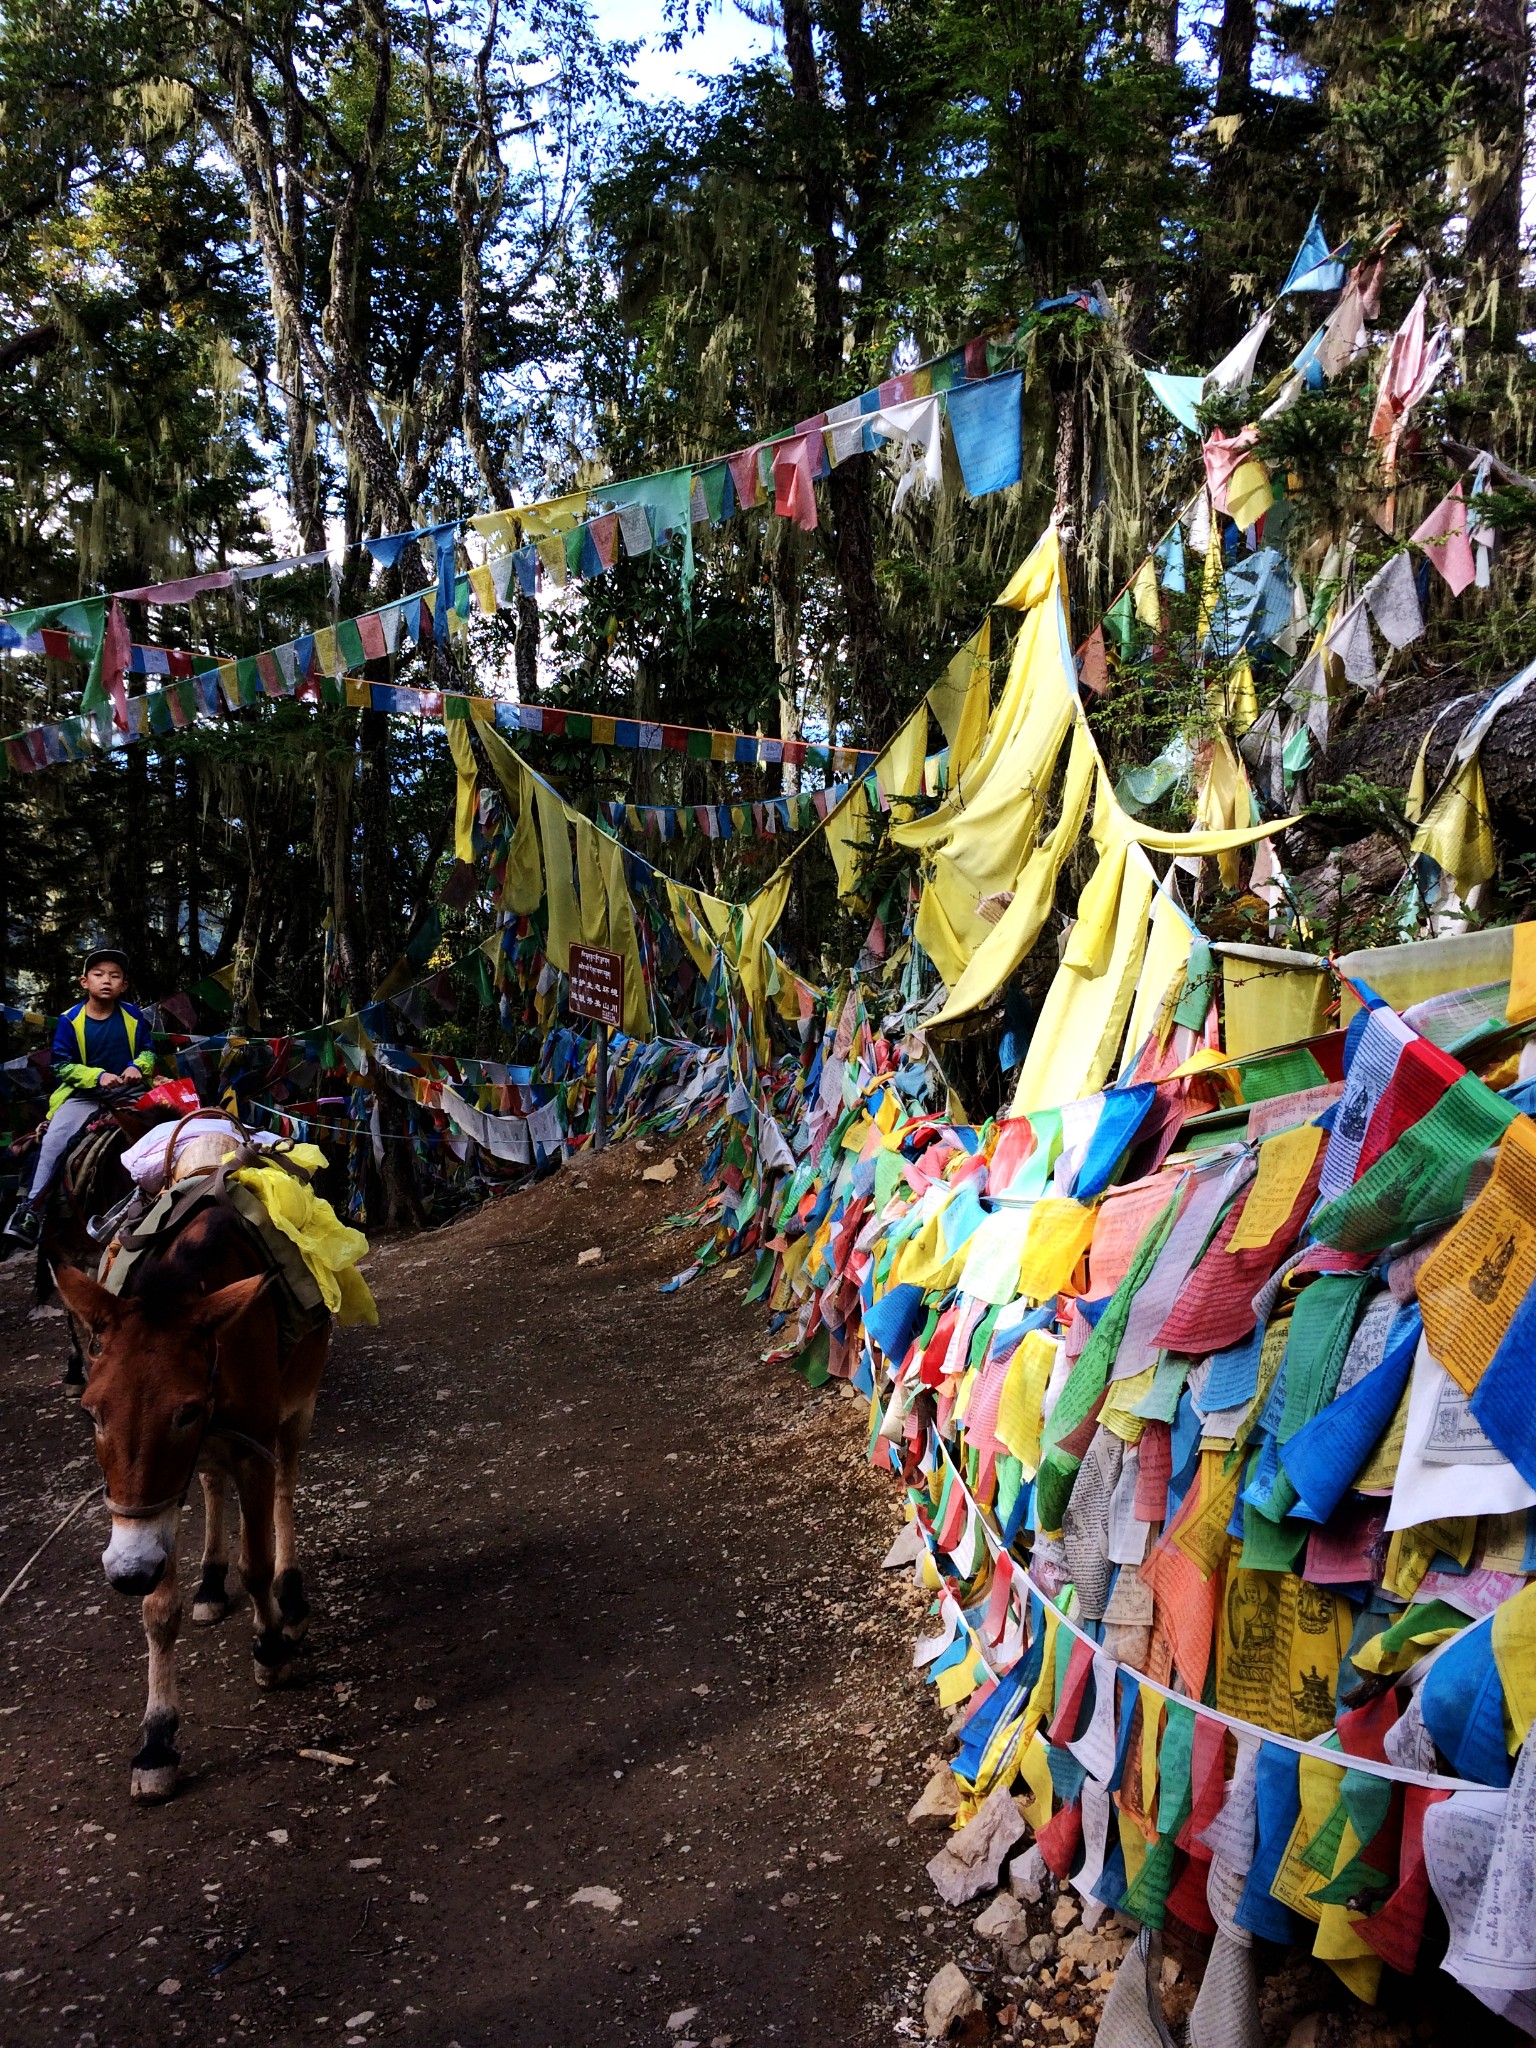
(329, 1247)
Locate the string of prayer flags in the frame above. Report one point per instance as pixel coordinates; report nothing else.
(767, 818)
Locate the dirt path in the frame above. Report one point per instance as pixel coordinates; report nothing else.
(597, 1604)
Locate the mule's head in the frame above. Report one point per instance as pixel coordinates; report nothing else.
(150, 1395)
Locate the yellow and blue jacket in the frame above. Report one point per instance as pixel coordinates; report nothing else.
(85, 1048)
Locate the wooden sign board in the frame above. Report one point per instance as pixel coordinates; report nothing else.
(597, 985)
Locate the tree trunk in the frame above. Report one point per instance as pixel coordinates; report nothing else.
(1492, 246)
(1064, 460)
(192, 830)
(245, 1014)
(784, 593)
(128, 889)
(525, 657)
(373, 808)
(849, 487)
(1235, 41)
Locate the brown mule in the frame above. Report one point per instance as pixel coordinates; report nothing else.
(188, 1375)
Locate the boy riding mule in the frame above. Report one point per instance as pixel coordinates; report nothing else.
(205, 1335)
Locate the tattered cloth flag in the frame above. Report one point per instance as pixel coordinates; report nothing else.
(1315, 268)
(1394, 601)
(1443, 537)
(1350, 640)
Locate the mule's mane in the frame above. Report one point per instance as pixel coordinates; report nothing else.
(195, 1261)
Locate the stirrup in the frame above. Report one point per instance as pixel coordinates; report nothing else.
(103, 1228)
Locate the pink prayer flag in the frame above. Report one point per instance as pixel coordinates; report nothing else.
(605, 537)
(1223, 458)
(183, 591)
(743, 468)
(794, 491)
(1443, 537)
(116, 653)
(976, 358)
(271, 675)
(815, 432)
(897, 390)
(371, 630)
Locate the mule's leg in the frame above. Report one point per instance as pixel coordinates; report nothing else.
(288, 1584)
(272, 1651)
(213, 1601)
(74, 1367)
(156, 1765)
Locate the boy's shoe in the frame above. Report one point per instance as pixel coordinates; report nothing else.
(24, 1228)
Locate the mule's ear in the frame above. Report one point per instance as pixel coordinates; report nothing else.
(86, 1298)
(214, 1311)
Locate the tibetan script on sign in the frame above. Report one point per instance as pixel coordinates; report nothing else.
(597, 985)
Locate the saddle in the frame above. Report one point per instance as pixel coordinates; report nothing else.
(146, 1226)
(115, 1124)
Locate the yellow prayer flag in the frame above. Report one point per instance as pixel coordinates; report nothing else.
(463, 753)
(1521, 1007)
(1018, 1422)
(957, 1683)
(1146, 596)
(1250, 493)
(1284, 1163)
(1514, 1654)
(1477, 1276)
(1456, 832)
(483, 584)
(1035, 1770)
(328, 656)
(1060, 1231)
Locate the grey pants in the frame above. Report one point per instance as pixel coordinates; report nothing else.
(63, 1127)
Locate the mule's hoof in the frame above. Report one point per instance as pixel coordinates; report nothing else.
(213, 1601)
(155, 1784)
(288, 1589)
(276, 1662)
(272, 1677)
(209, 1613)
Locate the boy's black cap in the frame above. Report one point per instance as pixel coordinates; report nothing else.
(105, 956)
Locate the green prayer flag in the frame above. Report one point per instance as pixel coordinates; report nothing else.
(714, 482)
(668, 498)
(1296, 754)
(1120, 626)
(349, 640)
(1421, 1179)
(1199, 985)
(1279, 1073)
